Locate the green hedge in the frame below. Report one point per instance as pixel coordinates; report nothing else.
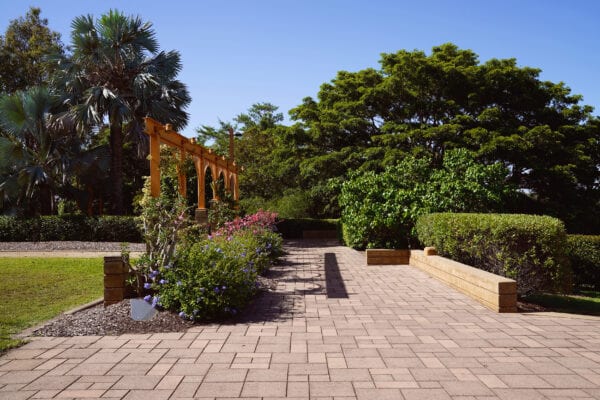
(527, 248)
(584, 253)
(70, 227)
(292, 228)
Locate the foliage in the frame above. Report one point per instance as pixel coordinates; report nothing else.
(42, 288)
(584, 253)
(425, 104)
(527, 248)
(219, 214)
(69, 227)
(39, 154)
(292, 228)
(24, 49)
(379, 210)
(293, 203)
(216, 276)
(163, 220)
(206, 282)
(117, 72)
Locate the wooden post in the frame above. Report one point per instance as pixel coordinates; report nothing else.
(181, 178)
(154, 164)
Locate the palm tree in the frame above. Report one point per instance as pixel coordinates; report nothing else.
(117, 74)
(31, 160)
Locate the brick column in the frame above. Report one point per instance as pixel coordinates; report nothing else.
(115, 275)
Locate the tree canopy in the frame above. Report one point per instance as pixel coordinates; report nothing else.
(25, 48)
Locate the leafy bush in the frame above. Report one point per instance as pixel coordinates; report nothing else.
(69, 227)
(219, 214)
(379, 210)
(584, 254)
(13, 229)
(207, 281)
(113, 228)
(292, 228)
(527, 248)
(208, 276)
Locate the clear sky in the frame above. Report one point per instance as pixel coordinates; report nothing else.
(239, 52)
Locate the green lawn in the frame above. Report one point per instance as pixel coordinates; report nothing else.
(36, 289)
(584, 302)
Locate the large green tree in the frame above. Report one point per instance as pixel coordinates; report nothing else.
(423, 105)
(24, 51)
(116, 72)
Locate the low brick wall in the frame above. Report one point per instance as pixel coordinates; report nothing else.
(493, 291)
(115, 276)
(387, 257)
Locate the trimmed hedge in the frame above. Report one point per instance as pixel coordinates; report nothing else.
(292, 228)
(70, 227)
(584, 253)
(527, 248)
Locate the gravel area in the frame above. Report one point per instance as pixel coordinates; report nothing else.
(112, 320)
(68, 246)
(115, 319)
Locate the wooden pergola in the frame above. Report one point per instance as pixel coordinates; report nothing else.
(204, 159)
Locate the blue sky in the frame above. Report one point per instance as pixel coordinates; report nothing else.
(236, 53)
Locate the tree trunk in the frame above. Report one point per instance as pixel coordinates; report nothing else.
(116, 164)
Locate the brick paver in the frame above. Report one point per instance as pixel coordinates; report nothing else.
(333, 329)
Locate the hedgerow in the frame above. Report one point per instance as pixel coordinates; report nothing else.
(527, 248)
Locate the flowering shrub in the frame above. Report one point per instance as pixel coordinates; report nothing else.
(260, 219)
(211, 276)
(211, 279)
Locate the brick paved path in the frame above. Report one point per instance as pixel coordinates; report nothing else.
(333, 329)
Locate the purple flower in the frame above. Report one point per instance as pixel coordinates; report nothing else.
(223, 287)
(168, 266)
(233, 311)
(147, 298)
(147, 285)
(243, 254)
(153, 273)
(218, 250)
(163, 281)
(245, 270)
(179, 283)
(182, 314)
(155, 301)
(216, 289)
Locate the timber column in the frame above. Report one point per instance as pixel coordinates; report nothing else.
(201, 213)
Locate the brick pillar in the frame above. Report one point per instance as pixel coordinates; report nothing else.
(115, 275)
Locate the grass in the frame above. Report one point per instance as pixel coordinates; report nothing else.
(37, 289)
(584, 302)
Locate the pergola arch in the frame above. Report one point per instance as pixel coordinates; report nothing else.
(204, 159)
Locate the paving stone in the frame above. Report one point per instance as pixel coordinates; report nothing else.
(399, 334)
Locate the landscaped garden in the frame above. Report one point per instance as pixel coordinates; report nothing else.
(485, 161)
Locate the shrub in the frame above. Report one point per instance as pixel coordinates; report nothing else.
(207, 281)
(13, 229)
(584, 253)
(207, 276)
(379, 210)
(292, 228)
(527, 248)
(113, 228)
(65, 227)
(69, 227)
